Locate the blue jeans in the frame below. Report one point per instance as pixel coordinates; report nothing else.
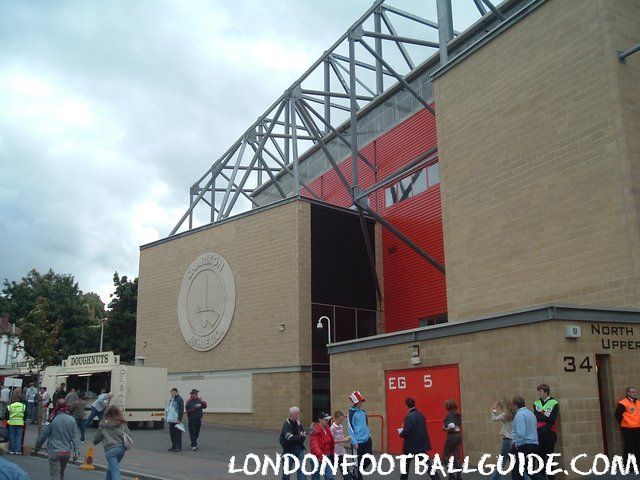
(328, 474)
(94, 413)
(32, 412)
(299, 475)
(114, 457)
(15, 438)
(504, 451)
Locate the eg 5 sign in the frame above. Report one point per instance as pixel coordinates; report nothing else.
(400, 383)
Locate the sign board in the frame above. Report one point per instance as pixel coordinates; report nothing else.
(13, 382)
(430, 387)
(91, 360)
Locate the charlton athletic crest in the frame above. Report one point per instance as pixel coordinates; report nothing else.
(207, 301)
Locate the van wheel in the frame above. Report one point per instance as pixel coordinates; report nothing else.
(158, 425)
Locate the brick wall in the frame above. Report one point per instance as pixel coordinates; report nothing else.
(269, 254)
(502, 362)
(538, 145)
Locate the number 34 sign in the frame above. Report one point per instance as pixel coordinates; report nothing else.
(577, 364)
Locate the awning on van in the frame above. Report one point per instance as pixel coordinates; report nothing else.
(83, 373)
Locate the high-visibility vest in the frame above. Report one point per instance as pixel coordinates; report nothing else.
(546, 409)
(16, 414)
(631, 415)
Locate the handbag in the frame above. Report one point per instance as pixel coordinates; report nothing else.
(127, 440)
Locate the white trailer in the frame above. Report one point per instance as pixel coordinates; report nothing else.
(140, 392)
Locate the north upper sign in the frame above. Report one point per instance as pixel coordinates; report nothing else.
(207, 301)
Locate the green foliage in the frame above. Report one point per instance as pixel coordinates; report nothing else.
(64, 305)
(40, 334)
(120, 332)
(94, 305)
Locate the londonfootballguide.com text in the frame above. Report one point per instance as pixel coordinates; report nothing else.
(423, 464)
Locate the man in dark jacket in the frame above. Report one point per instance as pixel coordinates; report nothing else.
(546, 410)
(194, 407)
(292, 439)
(414, 432)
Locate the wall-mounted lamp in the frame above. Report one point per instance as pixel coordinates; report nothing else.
(281, 327)
(320, 326)
(144, 344)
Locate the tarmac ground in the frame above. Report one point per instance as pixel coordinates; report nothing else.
(150, 460)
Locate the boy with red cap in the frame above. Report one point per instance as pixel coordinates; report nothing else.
(358, 428)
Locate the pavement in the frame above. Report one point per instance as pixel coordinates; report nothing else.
(150, 460)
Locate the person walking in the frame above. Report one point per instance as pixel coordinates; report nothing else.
(525, 436)
(503, 411)
(414, 433)
(194, 408)
(338, 438)
(32, 408)
(71, 396)
(9, 470)
(358, 428)
(45, 400)
(628, 416)
(61, 436)
(98, 407)
(17, 411)
(111, 433)
(292, 437)
(174, 413)
(76, 410)
(322, 444)
(546, 410)
(452, 424)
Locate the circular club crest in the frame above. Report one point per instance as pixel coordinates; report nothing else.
(207, 301)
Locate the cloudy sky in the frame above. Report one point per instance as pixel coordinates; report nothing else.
(109, 110)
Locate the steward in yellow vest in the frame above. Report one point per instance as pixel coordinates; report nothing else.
(16, 424)
(546, 411)
(628, 416)
(16, 414)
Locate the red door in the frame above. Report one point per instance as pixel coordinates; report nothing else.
(430, 387)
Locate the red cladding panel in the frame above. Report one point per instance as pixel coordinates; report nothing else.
(413, 289)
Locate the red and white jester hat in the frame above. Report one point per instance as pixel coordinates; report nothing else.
(356, 397)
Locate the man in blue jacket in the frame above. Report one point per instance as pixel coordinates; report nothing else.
(174, 413)
(358, 428)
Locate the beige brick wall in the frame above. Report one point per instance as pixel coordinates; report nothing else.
(538, 145)
(269, 253)
(503, 362)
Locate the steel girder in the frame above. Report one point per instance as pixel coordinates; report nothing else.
(345, 79)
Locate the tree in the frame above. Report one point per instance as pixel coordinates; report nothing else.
(120, 333)
(40, 335)
(65, 303)
(94, 305)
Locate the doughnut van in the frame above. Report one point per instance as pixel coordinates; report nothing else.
(139, 391)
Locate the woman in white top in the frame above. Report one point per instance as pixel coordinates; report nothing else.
(504, 411)
(338, 437)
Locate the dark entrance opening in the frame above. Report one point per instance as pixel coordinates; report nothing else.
(342, 290)
(606, 396)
